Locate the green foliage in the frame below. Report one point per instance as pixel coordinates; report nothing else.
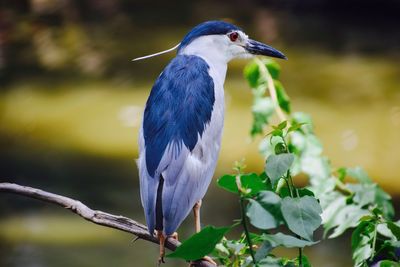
(361, 242)
(388, 263)
(395, 229)
(287, 241)
(339, 200)
(283, 98)
(302, 215)
(278, 165)
(251, 182)
(263, 107)
(200, 244)
(259, 217)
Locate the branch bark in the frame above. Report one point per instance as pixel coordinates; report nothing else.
(95, 216)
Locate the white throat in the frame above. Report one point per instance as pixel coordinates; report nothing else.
(209, 48)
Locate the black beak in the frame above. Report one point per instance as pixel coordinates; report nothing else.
(257, 48)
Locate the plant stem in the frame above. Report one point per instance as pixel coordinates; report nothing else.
(292, 185)
(271, 88)
(246, 230)
(374, 241)
(342, 187)
(289, 186)
(300, 257)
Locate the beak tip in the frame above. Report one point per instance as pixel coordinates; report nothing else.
(257, 48)
(281, 55)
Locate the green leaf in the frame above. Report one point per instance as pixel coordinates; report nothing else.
(263, 250)
(295, 126)
(308, 144)
(395, 229)
(260, 217)
(363, 193)
(259, 121)
(263, 109)
(249, 181)
(252, 74)
(270, 203)
(343, 217)
(267, 145)
(269, 199)
(273, 68)
(263, 106)
(270, 262)
(305, 119)
(304, 261)
(280, 148)
(199, 244)
(372, 194)
(278, 165)
(235, 247)
(221, 251)
(385, 231)
(341, 173)
(283, 98)
(276, 132)
(383, 200)
(302, 215)
(302, 192)
(359, 174)
(387, 263)
(287, 241)
(361, 240)
(290, 263)
(281, 125)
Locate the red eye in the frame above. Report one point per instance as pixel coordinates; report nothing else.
(233, 36)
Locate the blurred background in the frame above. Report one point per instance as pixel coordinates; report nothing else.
(71, 103)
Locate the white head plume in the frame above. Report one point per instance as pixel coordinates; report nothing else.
(157, 54)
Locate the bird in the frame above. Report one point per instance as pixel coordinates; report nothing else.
(180, 136)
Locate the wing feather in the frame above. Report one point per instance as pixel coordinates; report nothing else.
(177, 112)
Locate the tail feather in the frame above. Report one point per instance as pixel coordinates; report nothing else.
(159, 209)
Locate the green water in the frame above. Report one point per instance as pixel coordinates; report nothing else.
(80, 138)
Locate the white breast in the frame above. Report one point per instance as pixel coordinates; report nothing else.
(203, 159)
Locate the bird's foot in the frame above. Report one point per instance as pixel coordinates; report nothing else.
(207, 258)
(174, 236)
(204, 262)
(160, 260)
(161, 238)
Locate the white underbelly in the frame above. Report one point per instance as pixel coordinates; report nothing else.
(207, 149)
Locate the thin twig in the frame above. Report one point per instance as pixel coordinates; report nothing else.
(246, 230)
(95, 216)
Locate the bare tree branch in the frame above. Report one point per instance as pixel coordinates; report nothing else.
(96, 216)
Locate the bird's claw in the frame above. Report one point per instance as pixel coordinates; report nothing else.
(207, 258)
(204, 262)
(174, 236)
(160, 260)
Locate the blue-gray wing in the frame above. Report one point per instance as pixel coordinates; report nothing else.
(178, 148)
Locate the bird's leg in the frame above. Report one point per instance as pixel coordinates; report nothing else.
(196, 212)
(161, 238)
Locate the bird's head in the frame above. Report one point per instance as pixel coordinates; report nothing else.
(225, 41)
(220, 41)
